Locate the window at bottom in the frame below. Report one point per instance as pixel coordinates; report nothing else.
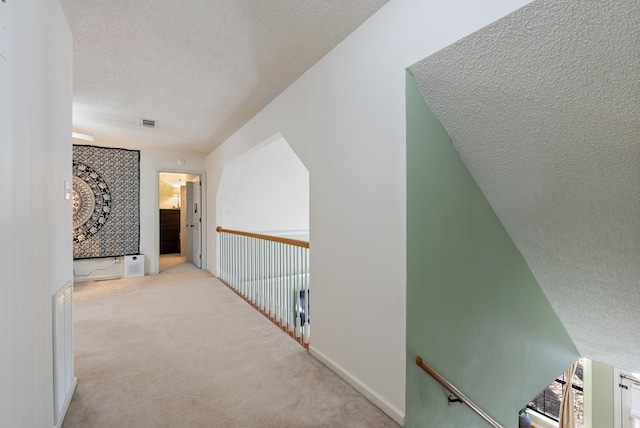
(548, 401)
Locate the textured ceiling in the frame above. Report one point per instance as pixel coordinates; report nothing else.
(173, 180)
(168, 183)
(544, 108)
(200, 68)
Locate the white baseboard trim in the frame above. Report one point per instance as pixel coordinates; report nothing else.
(67, 401)
(78, 279)
(392, 411)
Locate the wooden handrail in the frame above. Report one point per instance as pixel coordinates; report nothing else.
(455, 391)
(295, 242)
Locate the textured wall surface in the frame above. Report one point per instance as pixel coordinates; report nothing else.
(544, 108)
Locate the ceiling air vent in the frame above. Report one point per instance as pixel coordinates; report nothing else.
(148, 123)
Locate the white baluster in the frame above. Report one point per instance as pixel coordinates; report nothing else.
(222, 249)
(263, 276)
(252, 256)
(260, 274)
(297, 291)
(273, 279)
(305, 282)
(237, 267)
(276, 282)
(273, 276)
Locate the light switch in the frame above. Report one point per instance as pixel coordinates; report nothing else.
(67, 191)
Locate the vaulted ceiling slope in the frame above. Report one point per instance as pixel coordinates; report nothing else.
(200, 68)
(544, 108)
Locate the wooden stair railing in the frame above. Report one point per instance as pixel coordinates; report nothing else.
(272, 275)
(455, 391)
(294, 242)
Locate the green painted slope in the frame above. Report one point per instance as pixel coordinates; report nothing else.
(474, 310)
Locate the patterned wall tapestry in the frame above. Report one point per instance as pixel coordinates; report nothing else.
(106, 202)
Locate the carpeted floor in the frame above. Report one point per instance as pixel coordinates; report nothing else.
(179, 349)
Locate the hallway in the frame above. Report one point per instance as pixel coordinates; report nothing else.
(179, 349)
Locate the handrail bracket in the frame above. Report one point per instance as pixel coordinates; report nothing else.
(455, 392)
(451, 399)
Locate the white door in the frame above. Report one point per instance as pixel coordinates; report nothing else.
(188, 203)
(629, 397)
(197, 223)
(183, 220)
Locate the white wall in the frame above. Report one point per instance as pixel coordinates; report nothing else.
(93, 269)
(151, 163)
(345, 118)
(265, 190)
(35, 220)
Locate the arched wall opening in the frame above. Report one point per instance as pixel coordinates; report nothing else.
(265, 190)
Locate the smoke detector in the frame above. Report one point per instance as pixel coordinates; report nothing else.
(148, 123)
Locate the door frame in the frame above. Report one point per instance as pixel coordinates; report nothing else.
(203, 208)
(195, 212)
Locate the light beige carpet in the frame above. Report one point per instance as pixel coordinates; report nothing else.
(179, 349)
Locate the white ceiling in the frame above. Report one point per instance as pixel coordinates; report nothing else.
(544, 108)
(173, 180)
(200, 68)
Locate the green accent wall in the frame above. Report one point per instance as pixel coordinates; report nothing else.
(598, 395)
(474, 310)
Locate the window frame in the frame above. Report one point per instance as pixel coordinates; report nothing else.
(562, 383)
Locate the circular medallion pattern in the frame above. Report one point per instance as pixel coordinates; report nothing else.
(91, 202)
(84, 202)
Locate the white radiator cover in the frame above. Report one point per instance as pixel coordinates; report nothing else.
(64, 381)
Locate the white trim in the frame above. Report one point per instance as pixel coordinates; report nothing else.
(67, 401)
(204, 213)
(541, 421)
(78, 280)
(392, 411)
(617, 395)
(617, 403)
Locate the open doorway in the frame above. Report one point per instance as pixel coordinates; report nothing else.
(180, 219)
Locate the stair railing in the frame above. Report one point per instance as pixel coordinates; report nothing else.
(460, 397)
(271, 274)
